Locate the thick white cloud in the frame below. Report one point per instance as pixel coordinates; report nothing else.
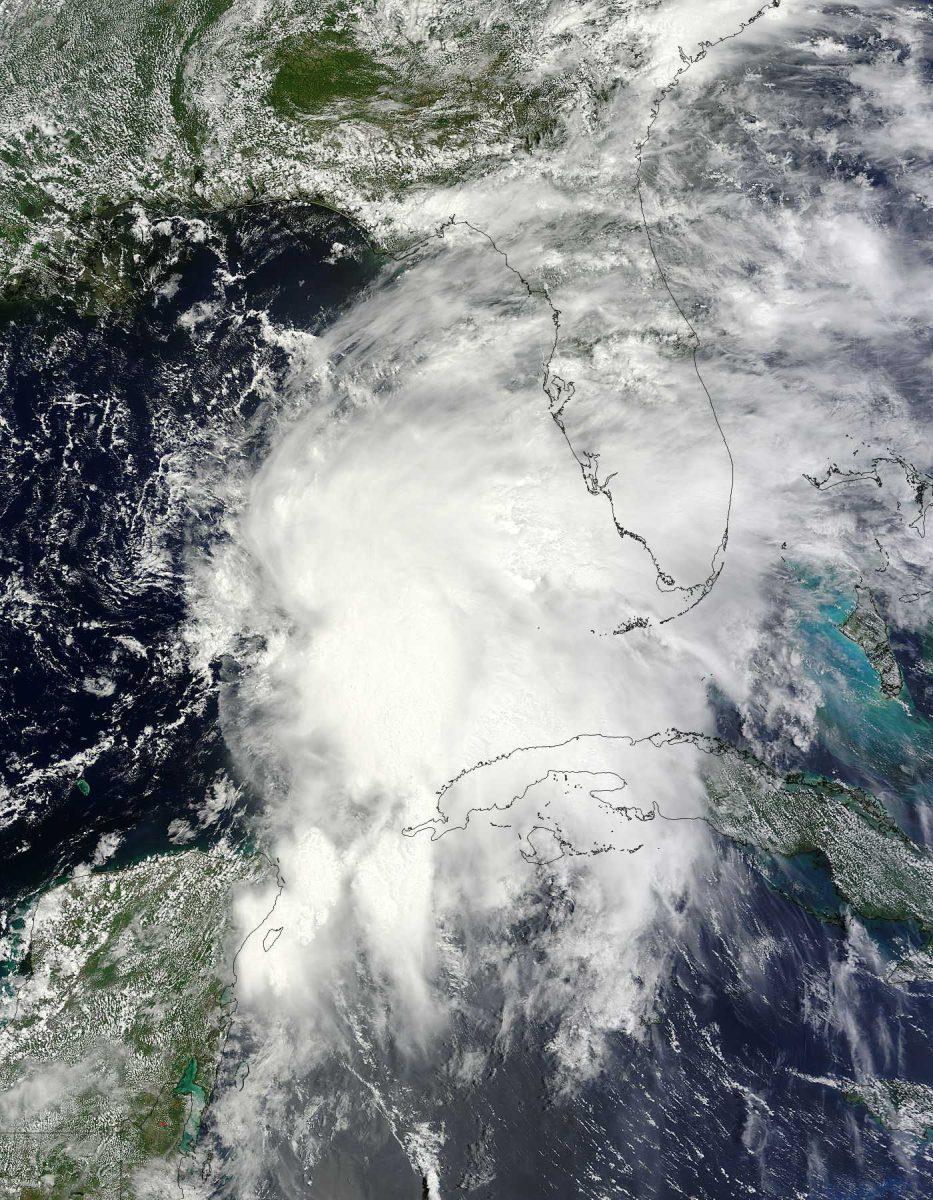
(436, 585)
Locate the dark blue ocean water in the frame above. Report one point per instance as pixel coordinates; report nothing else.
(105, 422)
(726, 1092)
(765, 994)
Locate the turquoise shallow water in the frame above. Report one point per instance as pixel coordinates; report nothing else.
(882, 744)
(803, 878)
(187, 1086)
(15, 957)
(863, 739)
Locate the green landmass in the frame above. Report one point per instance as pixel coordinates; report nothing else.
(109, 1044)
(898, 1104)
(180, 105)
(314, 71)
(874, 866)
(865, 626)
